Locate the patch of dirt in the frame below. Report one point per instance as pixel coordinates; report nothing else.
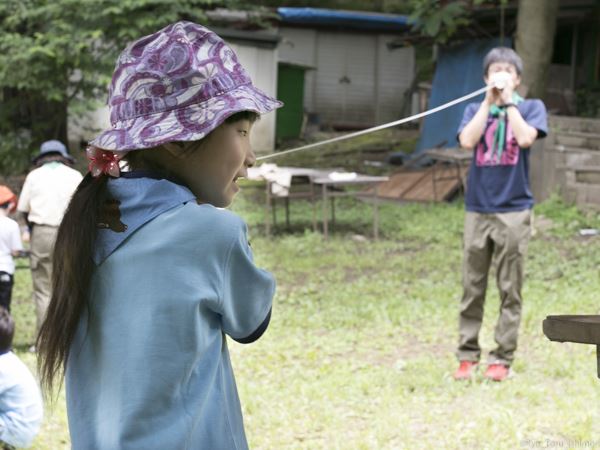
(402, 349)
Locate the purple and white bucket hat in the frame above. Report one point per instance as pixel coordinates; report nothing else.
(177, 84)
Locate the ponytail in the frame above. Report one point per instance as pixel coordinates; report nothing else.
(71, 274)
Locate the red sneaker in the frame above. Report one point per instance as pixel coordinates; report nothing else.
(497, 372)
(465, 370)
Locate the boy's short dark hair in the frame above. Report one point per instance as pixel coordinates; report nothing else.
(502, 54)
(7, 330)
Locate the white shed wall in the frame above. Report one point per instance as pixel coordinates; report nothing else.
(299, 46)
(357, 80)
(345, 84)
(395, 73)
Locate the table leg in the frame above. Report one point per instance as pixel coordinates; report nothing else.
(598, 358)
(314, 207)
(287, 212)
(332, 211)
(324, 191)
(267, 209)
(375, 213)
(434, 181)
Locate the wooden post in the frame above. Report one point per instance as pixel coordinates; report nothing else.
(324, 191)
(314, 206)
(332, 211)
(598, 359)
(375, 213)
(267, 209)
(434, 180)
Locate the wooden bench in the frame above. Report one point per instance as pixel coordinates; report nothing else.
(579, 329)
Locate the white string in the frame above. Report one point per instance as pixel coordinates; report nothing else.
(378, 127)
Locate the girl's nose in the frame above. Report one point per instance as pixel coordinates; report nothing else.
(250, 158)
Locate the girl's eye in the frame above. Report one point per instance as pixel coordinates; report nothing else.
(244, 132)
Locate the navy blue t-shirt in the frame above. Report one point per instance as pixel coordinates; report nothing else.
(501, 184)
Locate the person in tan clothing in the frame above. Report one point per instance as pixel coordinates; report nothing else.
(44, 198)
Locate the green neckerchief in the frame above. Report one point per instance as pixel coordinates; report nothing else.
(500, 135)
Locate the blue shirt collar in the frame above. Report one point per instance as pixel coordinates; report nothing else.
(136, 198)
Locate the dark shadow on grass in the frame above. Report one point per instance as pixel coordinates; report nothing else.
(339, 229)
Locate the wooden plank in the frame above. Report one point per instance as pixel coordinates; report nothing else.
(584, 134)
(560, 124)
(588, 177)
(581, 159)
(565, 149)
(584, 329)
(418, 185)
(399, 183)
(580, 168)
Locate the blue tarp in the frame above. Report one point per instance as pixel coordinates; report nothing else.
(356, 19)
(459, 71)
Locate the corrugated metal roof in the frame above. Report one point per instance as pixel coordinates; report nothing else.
(355, 19)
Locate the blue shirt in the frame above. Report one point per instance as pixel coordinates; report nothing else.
(21, 409)
(501, 183)
(149, 367)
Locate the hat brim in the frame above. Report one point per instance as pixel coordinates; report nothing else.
(68, 157)
(190, 123)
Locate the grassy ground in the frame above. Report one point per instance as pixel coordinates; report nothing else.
(359, 353)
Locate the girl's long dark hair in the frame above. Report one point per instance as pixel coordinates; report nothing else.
(71, 275)
(73, 264)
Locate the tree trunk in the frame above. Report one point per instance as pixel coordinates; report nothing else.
(536, 25)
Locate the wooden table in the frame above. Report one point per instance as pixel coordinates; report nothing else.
(299, 175)
(326, 183)
(580, 329)
(458, 157)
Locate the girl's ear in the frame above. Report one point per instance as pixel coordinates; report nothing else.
(174, 149)
(181, 150)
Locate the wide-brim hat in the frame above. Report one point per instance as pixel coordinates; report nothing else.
(53, 147)
(177, 84)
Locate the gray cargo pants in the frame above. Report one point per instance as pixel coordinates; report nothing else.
(503, 239)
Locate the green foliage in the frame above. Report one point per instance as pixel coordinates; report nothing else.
(440, 19)
(59, 54)
(14, 150)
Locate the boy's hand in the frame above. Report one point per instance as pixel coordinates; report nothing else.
(499, 96)
(503, 93)
(506, 94)
(491, 96)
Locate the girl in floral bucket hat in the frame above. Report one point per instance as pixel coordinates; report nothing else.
(150, 274)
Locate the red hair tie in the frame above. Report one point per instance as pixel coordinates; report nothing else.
(103, 162)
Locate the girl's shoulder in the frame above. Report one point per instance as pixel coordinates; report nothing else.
(208, 216)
